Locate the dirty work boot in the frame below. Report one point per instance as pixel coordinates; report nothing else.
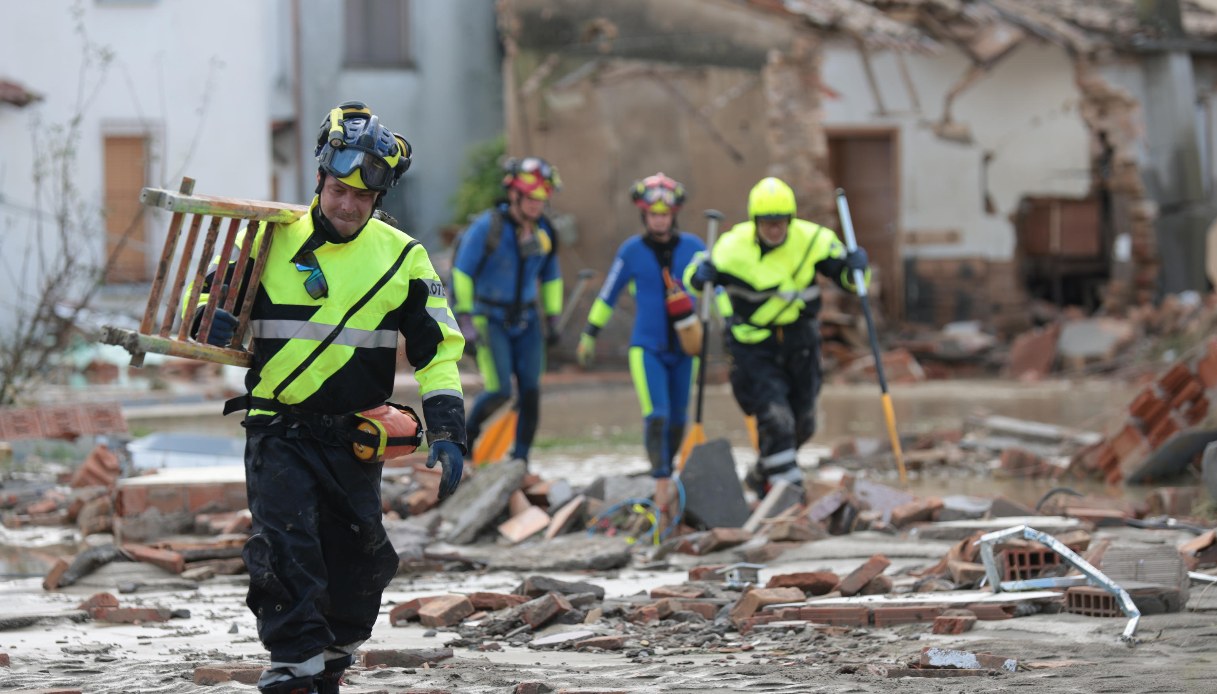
(299, 685)
(328, 681)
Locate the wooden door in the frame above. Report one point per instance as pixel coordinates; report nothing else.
(864, 163)
(126, 160)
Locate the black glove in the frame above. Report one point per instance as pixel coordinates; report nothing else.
(552, 337)
(705, 273)
(857, 260)
(451, 461)
(223, 327)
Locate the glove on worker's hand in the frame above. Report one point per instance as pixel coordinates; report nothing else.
(552, 338)
(705, 273)
(469, 331)
(223, 327)
(451, 461)
(585, 353)
(857, 260)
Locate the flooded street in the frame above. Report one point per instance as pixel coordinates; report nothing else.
(591, 425)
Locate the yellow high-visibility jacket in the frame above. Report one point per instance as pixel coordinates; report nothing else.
(767, 288)
(337, 354)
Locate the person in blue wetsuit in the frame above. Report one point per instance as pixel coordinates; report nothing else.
(504, 276)
(650, 264)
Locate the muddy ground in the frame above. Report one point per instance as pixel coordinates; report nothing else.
(1057, 652)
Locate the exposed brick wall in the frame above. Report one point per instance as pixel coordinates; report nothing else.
(942, 290)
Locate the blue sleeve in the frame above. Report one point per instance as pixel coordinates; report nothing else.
(473, 245)
(619, 275)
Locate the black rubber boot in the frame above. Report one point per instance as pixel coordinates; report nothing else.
(329, 680)
(299, 685)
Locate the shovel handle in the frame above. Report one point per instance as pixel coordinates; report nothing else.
(713, 217)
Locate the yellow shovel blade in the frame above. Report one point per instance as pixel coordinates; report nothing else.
(753, 436)
(695, 437)
(493, 444)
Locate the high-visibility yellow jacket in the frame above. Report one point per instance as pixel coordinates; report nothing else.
(768, 288)
(337, 354)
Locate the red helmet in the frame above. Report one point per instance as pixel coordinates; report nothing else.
(658, 194)
(532, 176)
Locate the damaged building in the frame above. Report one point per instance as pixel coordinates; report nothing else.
(993, 151)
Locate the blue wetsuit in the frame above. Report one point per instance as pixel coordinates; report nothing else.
(662, 371)
(497, 279)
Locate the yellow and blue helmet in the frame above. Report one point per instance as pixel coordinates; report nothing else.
(532, 176)
(356, 149)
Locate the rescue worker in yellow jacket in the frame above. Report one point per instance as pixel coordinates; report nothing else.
(767, 267)
(338, 288)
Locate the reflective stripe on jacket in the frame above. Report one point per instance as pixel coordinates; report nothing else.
(338, 354)
(775, 287)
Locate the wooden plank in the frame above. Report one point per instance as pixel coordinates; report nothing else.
(221, 206)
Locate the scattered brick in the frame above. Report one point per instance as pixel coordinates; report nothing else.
(408, 611)
(954, 622)
(686, 592)
(537, 612)
(495, 601)
(851, 584)
(720, 538)
(215, 673)
(55, 575)
(905, 614)
(404, 657)
(706, 573)
(173, 562)
(810, 582)
(97, 602)
(755, 599)
(131, 615)
(846, 615)
(944, 657)
(445, 611)
(604, 643)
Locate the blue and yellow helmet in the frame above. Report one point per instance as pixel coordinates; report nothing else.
(356, 149)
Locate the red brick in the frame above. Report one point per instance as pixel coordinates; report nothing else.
(810, 582)
(879, 585)
(707, 610)
(96, 602)
(954, 622)
(131, 615)
(1206, 368)
(245, 673)
(524, 525)
(708, 572)
(1175, 380)
(988, 611)
(445, 611)
(894, 615)
(172, 562)
(1148, 406)
(1192, 390)
(543, 609)
(848, 615)
(408, 611)
(851, 584)
(605, 643)
(5, 661)
(685, 592)
(755, 599)
(917, 511)
(495, 601)
(644, 614)
(55, 575)
(403, 657)
(721, 538)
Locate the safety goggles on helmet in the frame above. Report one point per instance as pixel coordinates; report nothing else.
(658, 193)
(315, 283)
(534, 177)
(374, 171)
(353, 147)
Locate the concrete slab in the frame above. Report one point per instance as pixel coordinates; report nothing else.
(958, 530)
(573, 552)
(478, 501)
(714, 497)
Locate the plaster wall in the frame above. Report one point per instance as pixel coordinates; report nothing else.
(1023, 113)
(186, 75)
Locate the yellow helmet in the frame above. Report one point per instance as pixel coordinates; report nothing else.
(771, 199)
(356, 149)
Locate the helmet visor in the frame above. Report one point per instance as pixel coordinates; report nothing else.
(344, 161)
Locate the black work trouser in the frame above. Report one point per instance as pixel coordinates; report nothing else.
(778, 381)
(319, 558)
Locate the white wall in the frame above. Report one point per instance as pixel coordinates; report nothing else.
(1024, 111)
(193, 75)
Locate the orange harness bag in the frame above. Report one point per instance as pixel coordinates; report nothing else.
(385, 432)
(680, 312)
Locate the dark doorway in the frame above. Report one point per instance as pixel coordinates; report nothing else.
(865, 164)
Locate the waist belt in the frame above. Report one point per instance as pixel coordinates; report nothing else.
(509, 305)
(345, 424)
